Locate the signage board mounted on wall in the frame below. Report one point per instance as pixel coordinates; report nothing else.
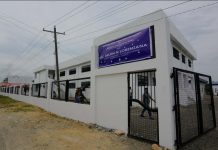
(133, 47)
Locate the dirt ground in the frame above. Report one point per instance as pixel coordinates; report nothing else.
(26, 127)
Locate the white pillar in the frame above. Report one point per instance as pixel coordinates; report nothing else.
(164, 90)
(49, 89)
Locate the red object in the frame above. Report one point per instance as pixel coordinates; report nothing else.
(5, 84)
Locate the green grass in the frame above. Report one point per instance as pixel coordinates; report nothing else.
(15, 106)
(6, 101)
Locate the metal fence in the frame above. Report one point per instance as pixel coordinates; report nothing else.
(16, 90)
(25, 90)
(142, 109)
(39, 90)
(68, 89)
(194, 105)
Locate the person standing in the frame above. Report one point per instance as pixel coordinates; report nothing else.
(79, 97)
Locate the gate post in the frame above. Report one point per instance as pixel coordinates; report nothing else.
(198, 104)
(212, 102)
(49, 89)
(176, 107)
(164, 99)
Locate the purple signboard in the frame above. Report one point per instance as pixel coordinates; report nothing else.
(133, 47)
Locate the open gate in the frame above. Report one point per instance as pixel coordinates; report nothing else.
(194, 105)
(141, 97)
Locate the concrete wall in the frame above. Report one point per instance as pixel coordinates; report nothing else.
(215, 90)
(111, 108)
(70, 110)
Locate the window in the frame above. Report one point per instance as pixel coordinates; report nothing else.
(62, 73)
(72, 71)
(189, 63)
(142, 80)
(85, 84)
(175, 53)
(183, 59)
(72, 85)
(86, 68)
(51, 74)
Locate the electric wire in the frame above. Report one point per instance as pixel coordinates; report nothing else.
(26, 50)
(176, 14)
(43, 48)
(103, 15)
(19, 21)
(19, 27)
(77, 12)
(120, 23)
(60, 18)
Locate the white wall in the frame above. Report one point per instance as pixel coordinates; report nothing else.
(112, 101)
(215, 90)
(81, 112)
(42, 77)
(79, 73)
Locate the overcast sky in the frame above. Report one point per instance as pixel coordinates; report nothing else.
(24, 47)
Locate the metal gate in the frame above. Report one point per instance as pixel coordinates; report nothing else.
(142, 110)
(194, 105)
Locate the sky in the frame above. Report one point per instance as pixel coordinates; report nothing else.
(24, 46)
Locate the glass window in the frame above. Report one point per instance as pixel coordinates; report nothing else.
(175, 53)
(85, 84)
(183, 59)
(72, 71)
(72, 85)
(189, 63)
(62, 73)
(86, 68)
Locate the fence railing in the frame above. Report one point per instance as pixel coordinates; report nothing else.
(39, 90)
(194, 106)
(142, 108)
(75, 90)
(25, 90)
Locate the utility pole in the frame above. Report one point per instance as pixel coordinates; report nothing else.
(56, 56)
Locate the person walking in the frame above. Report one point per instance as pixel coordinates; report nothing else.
(146, 100)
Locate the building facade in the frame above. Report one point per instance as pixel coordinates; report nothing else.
(124, 66)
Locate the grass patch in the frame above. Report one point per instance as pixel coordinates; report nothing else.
(23, 108)
(6, 101)
(15, 106)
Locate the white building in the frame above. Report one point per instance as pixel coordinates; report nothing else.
(44, 74)
(215, 89)
(127, 62)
